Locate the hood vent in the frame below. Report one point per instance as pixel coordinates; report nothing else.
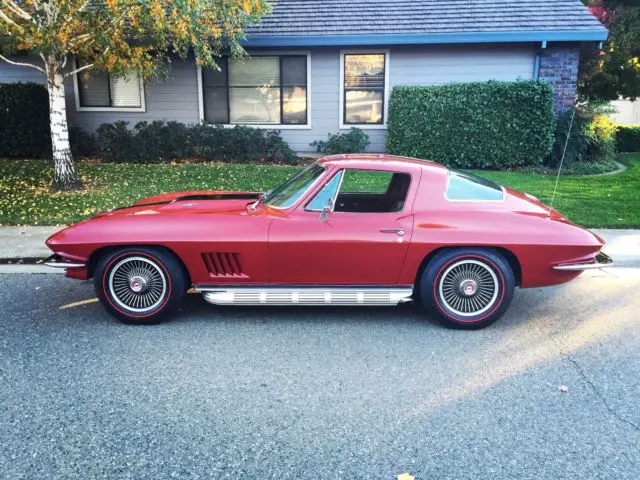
(218, 196)
(223, 265)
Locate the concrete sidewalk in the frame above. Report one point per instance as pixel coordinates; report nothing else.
(25, 242)
(28, 242)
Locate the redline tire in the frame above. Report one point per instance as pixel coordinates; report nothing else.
(467, 288)
(140, 285)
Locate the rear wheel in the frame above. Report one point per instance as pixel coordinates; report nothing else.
(467, 288)
(140, 285)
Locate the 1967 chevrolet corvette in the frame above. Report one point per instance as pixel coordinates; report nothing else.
(347, 230)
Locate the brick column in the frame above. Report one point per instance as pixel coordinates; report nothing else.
(559, 67)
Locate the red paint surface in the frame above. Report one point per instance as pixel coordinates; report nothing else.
(293, 246)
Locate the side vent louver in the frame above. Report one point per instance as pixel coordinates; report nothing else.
(223, 265)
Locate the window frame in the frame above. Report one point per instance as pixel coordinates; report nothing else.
(80, 108)
(312, 188)
(385, 93)
(268, 126)
(343, 172)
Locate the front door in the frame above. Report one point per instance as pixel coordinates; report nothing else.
(362, 241)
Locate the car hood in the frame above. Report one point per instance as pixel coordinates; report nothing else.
(200, 201)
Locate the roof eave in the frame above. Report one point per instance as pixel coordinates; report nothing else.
(595, 35)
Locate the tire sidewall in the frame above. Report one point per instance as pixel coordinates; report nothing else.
(431, 277)
(166, 262)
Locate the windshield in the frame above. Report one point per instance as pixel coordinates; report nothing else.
(289, 192)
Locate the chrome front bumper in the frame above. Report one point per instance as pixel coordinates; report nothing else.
(56, 261)
(602, 260)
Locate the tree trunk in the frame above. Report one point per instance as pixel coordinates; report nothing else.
(64, 170)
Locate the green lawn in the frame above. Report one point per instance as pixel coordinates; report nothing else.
(604, 201)
(25, 199)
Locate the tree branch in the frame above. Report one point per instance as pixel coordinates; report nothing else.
(21, 64)
(3, 16)
(11, 5)
(78, 70)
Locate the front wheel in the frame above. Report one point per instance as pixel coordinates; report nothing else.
(140, 285)
(467, 288)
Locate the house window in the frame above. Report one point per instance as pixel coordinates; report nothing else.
(101, 91)
(259, 90)
(364, 88)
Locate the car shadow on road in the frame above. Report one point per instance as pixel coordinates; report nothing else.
(196, 309)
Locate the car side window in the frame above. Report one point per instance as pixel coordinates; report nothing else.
(464, 187)
(372, 191)
(328, 192)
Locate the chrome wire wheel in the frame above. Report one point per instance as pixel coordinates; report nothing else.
(469, 288)
(137, 284)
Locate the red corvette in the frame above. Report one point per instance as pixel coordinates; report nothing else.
(347, 230)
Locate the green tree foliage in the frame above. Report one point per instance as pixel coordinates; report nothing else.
(614, 71)
(115, 36)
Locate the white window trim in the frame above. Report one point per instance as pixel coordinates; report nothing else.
(365, 126)
(80, 108)
(269, 126)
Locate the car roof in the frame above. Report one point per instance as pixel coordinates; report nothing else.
(362, 159)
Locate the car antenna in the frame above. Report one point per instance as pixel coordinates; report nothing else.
(564, 152)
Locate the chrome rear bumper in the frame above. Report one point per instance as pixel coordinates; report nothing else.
(56, 261)
(602, 260)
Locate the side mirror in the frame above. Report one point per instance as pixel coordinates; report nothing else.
(326, 210)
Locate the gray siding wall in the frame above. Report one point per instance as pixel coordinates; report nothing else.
(422, 65)
(173, 98)
(12, 74)
(176, 98)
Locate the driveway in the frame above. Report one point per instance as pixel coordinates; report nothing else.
(320, 393)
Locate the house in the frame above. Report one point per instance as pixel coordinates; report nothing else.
(627, 112)
(323, 66)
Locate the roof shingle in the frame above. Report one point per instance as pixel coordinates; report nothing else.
(422, 17)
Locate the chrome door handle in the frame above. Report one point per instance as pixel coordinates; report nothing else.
(397, 231)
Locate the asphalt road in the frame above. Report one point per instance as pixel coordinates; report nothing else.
(311, 393)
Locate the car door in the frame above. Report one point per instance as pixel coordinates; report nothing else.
(362, 241)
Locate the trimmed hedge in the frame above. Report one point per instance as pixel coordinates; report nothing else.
(24, 120)
(473, 125)
(162, 142)
(356, 141)
(628, 138)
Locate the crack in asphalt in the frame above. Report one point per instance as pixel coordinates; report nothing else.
(586, 379)
(597, 392)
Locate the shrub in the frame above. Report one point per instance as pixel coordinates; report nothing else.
(592, 140)
(160, 142)
(473, 125)
(116, 142)
(628, 138)
(277, 150)
(24, 120)
(355, 141)
(83, 144)
(240, 144)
